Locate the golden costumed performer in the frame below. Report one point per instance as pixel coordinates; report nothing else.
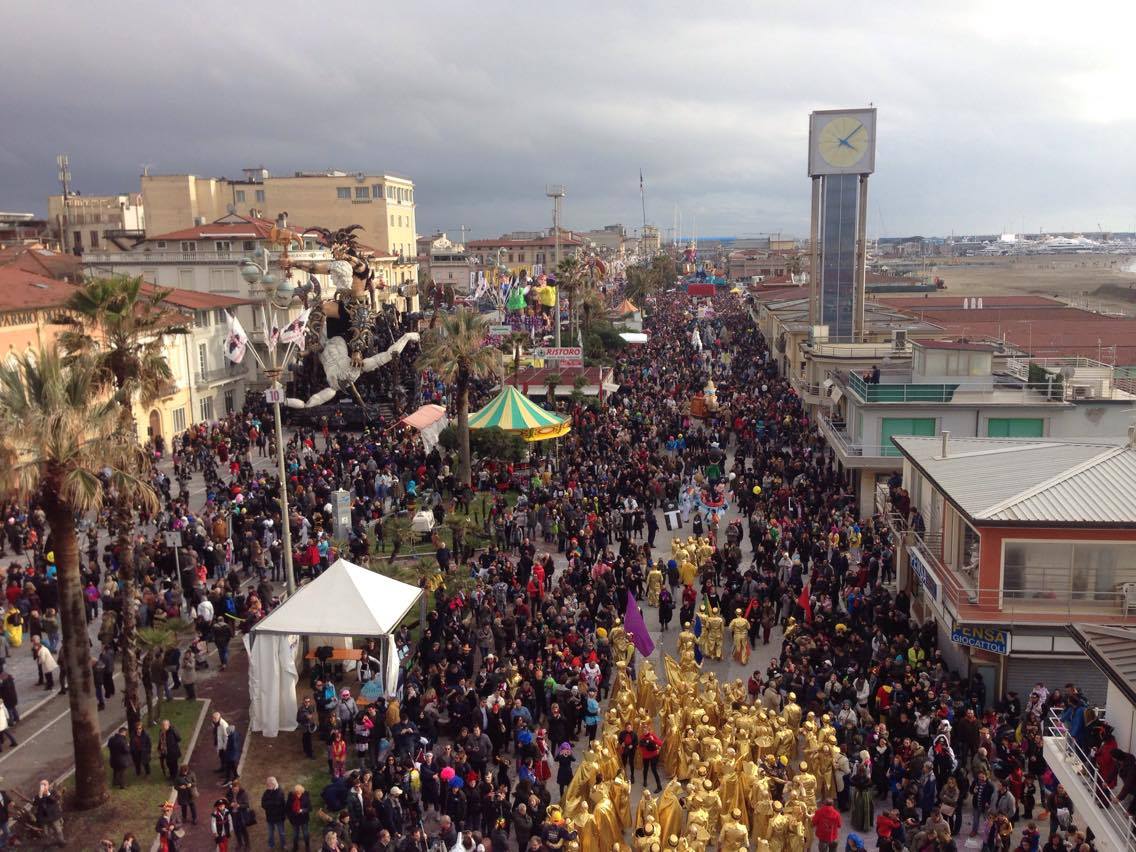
(739, 630)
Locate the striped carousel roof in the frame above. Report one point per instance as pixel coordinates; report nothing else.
(512, 411)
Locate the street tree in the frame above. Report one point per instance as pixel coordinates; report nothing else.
(456, 351)
(62, 448)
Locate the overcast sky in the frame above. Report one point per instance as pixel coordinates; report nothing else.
(992, 116)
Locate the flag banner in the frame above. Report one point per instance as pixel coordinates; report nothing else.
(674, 522)
(294, 331)
(634, 624)
(236, 341)
(806, 604)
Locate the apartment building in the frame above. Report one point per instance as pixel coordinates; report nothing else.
(206, 259)
(94, 222)
(382, 204)
(204, 384)
(524, 253)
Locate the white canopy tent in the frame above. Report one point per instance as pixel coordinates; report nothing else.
(345, 600)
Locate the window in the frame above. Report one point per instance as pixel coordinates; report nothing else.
(239, 196)
(260, 196)
(201, 320)
(248, 245)
(362, 192)
(179, 419)
(230, 401)
(392, 222)
(161, 244)
(94, 239)
(203, 355)
(185, 279)
(219, 316)
(343, 191)
(1049, 571)
(207, 409)
(377, 190)
(1015, 427)
(188, 245)
(903, 426)
(390, 191)
(77, 238)
(223, 245)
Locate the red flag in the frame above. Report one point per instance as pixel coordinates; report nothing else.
(806, 604)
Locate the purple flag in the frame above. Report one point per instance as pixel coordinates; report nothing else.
(634, 624)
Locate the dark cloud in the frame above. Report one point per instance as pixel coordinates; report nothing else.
(987, 121)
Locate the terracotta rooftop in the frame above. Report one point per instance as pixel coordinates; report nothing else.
(21, 290)
(955, 345)
(41, 261)
(521, 243)
(230, 227)
(195, 301)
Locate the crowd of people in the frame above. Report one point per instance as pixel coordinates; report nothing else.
(522, 695)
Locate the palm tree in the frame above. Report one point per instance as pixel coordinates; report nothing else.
(455, 351)
(121, 333)
(59, 433)
(550, 384)
(516, 343)
(592, 306)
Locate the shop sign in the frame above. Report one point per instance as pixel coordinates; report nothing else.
(992, 639)
(921, 570)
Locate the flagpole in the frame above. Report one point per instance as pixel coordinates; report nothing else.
(643, 200)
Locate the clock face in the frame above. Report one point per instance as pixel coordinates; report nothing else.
(843, 141)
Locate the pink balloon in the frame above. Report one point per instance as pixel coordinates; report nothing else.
(447, 773)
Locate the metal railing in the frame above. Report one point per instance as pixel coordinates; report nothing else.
(934, 392)
(118, 258)
(837, 434)
(218, 374)
(1088, 775)
(960, 589)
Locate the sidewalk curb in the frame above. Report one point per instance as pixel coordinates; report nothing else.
(172, 797)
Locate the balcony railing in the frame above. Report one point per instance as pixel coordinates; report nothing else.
(900, 392)
(218, 374)
(960, 590)
(836, 434)
(142, 258)
(1078, 771)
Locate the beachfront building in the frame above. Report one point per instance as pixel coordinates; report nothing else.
(1005, 541)
(973, 390)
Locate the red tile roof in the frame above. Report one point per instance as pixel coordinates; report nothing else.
(42, 261)
(955, 345)
(21, 290)
(195, 301)
(940, 302)
(536, 241)
(247, 228)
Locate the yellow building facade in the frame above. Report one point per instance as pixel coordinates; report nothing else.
(383, 205)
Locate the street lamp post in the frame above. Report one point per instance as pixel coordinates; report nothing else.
(277, 294)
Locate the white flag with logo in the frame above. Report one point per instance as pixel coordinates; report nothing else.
(294, 331)
(236, 341)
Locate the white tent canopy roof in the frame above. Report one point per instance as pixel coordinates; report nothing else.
(345, 600)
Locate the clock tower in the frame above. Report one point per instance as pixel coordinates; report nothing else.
(842, 153)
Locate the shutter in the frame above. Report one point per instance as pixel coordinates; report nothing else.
(1023, 673)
